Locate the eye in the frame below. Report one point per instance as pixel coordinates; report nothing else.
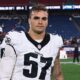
(36, 18)
(44, 18)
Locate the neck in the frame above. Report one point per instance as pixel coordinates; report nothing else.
(36, 35)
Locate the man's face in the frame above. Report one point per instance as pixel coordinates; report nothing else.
(38, 21)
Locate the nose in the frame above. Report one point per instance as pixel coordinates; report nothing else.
(40, 21)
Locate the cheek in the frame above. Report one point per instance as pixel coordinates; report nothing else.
(33, 23)
(46, 23)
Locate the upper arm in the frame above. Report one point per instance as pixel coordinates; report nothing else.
(7, 63)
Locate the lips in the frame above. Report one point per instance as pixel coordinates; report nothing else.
(40, 26)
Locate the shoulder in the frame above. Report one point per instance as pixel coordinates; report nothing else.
(14, 32)
(13, 36)
(55, 36)
(57, 39)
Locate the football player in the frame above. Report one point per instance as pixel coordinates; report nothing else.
(31, 55)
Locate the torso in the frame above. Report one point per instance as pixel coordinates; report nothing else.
(34, 60)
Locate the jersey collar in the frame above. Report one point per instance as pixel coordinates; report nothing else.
(42, 43)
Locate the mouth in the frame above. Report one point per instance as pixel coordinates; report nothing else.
(40, 26)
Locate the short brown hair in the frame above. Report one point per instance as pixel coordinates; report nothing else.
(38, 7)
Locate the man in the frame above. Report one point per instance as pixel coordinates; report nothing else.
(74, 42)
(33, 54)
(76, 53)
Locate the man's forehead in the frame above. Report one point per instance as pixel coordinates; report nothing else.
(39, 13)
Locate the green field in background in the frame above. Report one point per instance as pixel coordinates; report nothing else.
(71, 71)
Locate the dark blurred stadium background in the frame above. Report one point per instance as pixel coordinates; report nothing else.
(64, 17)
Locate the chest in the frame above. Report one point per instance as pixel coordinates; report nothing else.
(24, 46)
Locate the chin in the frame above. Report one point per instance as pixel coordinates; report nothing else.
(39, 32)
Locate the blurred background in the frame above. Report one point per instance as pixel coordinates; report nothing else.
(64, 19)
